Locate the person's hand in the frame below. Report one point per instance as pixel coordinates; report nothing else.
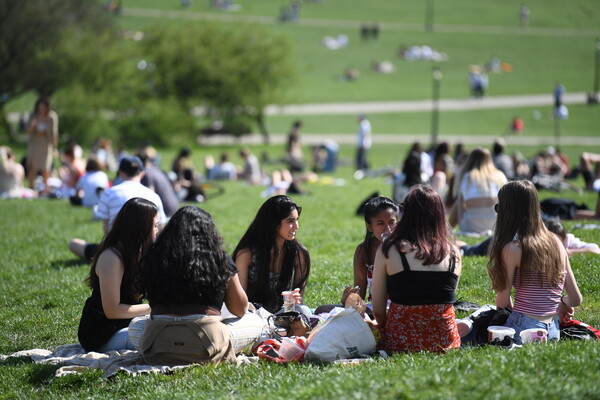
(297, 296)
(347, 291)
(565, 312)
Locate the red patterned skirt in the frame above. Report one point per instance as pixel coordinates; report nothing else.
(430, 327)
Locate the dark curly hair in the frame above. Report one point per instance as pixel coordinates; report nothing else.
(130, 236)
(187, 263)
(260, 239)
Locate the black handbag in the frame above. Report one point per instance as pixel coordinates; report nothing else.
(290, 323)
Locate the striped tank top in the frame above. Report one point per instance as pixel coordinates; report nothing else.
(534, 296)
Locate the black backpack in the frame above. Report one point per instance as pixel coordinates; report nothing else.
(562, 208)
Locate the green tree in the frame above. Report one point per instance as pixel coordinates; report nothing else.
(43, 45)
(235, 72)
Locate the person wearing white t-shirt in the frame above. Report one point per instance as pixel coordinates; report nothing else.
(90, 186)
(363, 143)
(131, 172)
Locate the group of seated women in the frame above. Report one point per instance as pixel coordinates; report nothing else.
(407, 264)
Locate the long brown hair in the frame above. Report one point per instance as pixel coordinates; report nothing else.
(423, 225)
(130, 236)
(519, 214)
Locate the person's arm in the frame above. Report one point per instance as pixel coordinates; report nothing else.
(242, 263)
(573, 297)
(360, 271)
(379, 287)
(511, 258)
(109, 269)
(53, 127)
(458, 264)
(301, 267)
(32, 125)
(590, 249)
(236, 299)
(576, 246)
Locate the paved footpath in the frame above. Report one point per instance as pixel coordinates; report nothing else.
(350, 24)
(380, 107)
(350, 138)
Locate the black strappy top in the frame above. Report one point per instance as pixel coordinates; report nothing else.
(411, 287)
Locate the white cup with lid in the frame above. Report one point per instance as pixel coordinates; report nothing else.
(499, 332)
(534, 335)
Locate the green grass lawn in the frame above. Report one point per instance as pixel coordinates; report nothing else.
(538, 58)
(42, 293)
(583, 121)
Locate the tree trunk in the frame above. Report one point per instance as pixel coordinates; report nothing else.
(262, 126)
(5, 128)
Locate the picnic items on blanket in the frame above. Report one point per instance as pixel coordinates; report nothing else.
(290, 323)
(499, 332)
(574, 329)
(284, 351)
(533, 335)
(344, 335)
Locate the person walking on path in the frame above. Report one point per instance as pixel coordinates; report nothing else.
(363, 143)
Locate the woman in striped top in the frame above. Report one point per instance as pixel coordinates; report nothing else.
(528, 257)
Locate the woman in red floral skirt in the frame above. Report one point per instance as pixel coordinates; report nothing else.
(418, 268)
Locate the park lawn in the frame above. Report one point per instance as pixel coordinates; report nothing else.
(537, 62)
(577, 14)
(584, 120)
(538, 59)
(42, 292)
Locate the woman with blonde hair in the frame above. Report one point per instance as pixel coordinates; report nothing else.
(476, 191)
(528, 257)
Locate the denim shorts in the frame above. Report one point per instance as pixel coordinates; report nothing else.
(519, 322)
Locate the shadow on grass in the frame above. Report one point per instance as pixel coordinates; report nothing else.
(76, 262)
(42, 374)
(14, 361)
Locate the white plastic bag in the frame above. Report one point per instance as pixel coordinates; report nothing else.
(345, 335)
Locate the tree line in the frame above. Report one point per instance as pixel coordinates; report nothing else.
(105, 81)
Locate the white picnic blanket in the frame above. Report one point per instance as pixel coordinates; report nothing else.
(74, 359)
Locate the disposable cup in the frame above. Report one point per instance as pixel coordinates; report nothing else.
(288, 300)
(289, 350)
(534, 335)
(499, 332)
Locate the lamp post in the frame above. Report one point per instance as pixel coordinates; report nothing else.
(435, 103)
(429, 16)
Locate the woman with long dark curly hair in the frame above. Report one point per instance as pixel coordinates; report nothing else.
(114, 300)
(528, 257)
(418, 269)
(269, 258)
(186, 275)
